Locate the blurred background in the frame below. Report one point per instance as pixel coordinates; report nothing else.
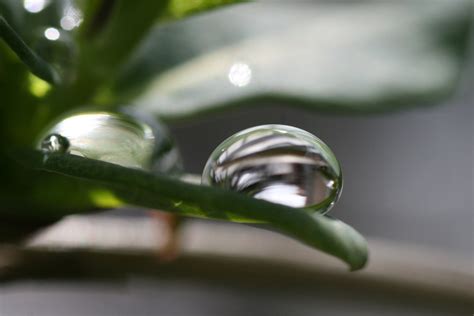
(388, 86)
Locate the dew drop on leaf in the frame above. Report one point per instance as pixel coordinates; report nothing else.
(112, 137)
(278, 163)
(55, 143)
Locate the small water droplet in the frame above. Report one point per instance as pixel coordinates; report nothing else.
(112, 137)
(277, 163)
(55, 143)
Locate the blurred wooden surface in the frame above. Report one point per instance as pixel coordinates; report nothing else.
(113, 246)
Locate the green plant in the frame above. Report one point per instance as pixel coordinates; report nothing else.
(120, 55)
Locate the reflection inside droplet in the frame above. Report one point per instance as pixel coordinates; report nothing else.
(240, 74)
(34, 6)
(52, 34)
(277, 163)
(282, 194)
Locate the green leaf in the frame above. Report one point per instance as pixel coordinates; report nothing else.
(182, 8)
(109, 34)
(122, 30)
(34, 62)
(358, 57)
(161, 192)
(29, 195)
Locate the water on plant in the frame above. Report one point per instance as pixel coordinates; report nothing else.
(277, 163)
(111, 137)
(55, 143)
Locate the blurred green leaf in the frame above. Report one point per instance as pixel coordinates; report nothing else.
(21, 113)
(182, 8)
(111, 31)
(12, 11)
(363, 56)
(112, 35)
(33, 61)
(161, 192)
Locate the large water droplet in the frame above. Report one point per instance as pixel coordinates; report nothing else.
(115, 138)
(277, 163)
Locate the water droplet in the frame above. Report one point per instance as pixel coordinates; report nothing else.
(277, 163)
(55, 143)
(115, 138)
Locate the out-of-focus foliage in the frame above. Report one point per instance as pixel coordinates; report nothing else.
(87, 56)
(182, 8)
(357, 56)
(344, 56)
(36, 64)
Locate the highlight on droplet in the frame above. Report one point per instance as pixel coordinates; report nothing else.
(34, 6)
(52, 34)
(240, 74)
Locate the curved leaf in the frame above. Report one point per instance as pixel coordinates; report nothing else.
(363, 56)
(161, 192)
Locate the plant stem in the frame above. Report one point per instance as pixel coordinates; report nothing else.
(35, 63)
